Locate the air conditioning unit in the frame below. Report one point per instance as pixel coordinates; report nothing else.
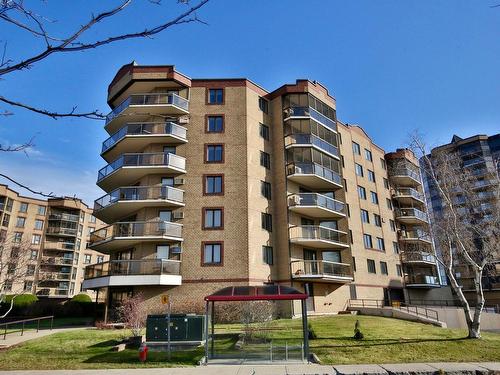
(183, 120)
(179, 215)
(176, 250)
(179, 181)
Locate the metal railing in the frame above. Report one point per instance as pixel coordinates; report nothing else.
(417, 256)
(64, 216)
(57, 245)
(146, 128)
(58, 230)
(149, 99)
(139, 193)
(314, 169)
(143, 160)
(23, 324)
(137, 229)
(317, 232)
(60, 292)
(316, 199)
(57, 260)
(411, 212)
(47, 275)
(133, 267)
(415, 310)
(406, 172)
(401, 192)
(302, 268)
(312, 113)
(421, 279)
(311, 139)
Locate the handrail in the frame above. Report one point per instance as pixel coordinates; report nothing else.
(6, 324)
(428, 313)
(316, 199)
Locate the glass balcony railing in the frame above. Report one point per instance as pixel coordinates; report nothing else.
(314, 169)
(137, 229)
(406, 172)
(313, 140)
(56, 261)
(142, 160)
(58, 245)
(133, 267)
(317, 232)
(421, 280)
(411, 212)
(315, 199)
(312, 113)
(403, 192)
(64, 217)
(417, 256)
(415, 235)
(147, 100)
(304, 268)
(58, 230)
(140, 193)
(149, 128)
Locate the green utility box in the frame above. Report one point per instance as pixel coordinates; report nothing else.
(183, 328)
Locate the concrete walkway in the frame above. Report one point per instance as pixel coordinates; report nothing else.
(394, 369)
(16, 338)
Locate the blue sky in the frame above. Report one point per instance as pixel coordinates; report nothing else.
(394, 66)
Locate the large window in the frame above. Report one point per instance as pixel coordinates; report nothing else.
(371, 266)
(361, 192)
(212, 253)
(267, 255)
(214, 153)
(213, 184)
(308, 155)
(267, 221)
(213, 218)
(265, 160)
(365, 217)
(311, 127)
(367, 240)
(215, 96)
(215, 124)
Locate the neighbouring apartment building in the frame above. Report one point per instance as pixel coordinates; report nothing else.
(53, 234)
(480, 154)
(217, 182)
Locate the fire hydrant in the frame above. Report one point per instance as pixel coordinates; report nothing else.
(143, 353)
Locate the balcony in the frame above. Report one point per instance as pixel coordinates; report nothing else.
(316, 205)
(136, 136)
(405, 177)
(58, 245)
(418, 257)
(61, 216)
(321, 270)
(314, 176)
(129, 168)
(138, 107)
(61, 231)
(53, 292)
(421, 281)
(318, 237)
(415, 236)
(309, 112)
(122, 234)
(126, 200)
(408, 196)
(132, 273)
(411, 216)
(56, 261)
(56, 276)
(311, 140)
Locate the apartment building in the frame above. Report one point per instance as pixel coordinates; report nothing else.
(217, 182)
(480, 154)
(53, 234)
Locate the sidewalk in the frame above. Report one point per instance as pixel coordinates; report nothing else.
(16, 338)
(389, 369)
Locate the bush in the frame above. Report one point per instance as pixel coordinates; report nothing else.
(81, 298)
(358, 335)
(311, 333)
(21, 300)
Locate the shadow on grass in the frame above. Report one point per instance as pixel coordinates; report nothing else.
(380, 342)
(132, 357)
(105, 343)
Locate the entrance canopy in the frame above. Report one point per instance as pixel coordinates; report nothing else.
(256, 293)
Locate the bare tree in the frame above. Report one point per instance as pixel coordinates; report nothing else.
(467, 229)
(133, 313)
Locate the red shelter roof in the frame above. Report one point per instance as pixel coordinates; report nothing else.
(257, 293)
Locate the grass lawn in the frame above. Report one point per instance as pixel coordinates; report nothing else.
(386, 341)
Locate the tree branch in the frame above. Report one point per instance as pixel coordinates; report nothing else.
(50, 195)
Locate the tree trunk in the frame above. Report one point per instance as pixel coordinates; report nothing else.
(475, 326)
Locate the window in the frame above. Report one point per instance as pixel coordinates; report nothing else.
(267, 255)
(162, 251)
(399, 271)
(33, 254)
(35, 239)
(345, 184)
(350, 236)
(92, 219)
(365, 217)
(265, 189)
(383, 164)
(267, 221)
(18, 236)
(371, 266)
(354, 264)
(393, 225)
(214, 153)
(389, 203)
(215, 96)
(212, 253)
(374, 197)
(367, 240)
(355, 148)
(213, 218)
(340, 138)
(38, 224)
(348, 210)
(23, 207)
(377, 220)
(8, 285)
(359, 169)
(342, 160)
(368, 155)
(215, 124)
(264, 132)
(380, 243)
(386, 183)
(263, 105)
(41, 210)
(395, 247)
(28, 286)
(87, 259)
(100, 259)
(20, 222)
(30, 270)
(383, 268)
(361, 192)
(213, 185)
(6, 219)
(371, 176)
(265, 160)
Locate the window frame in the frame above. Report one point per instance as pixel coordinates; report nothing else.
(207, 122)
(205, 153)
(384, 270)
(358, 169)
(263, 157)
(263, 217)
(367, 236)
(265, 255)
(368, 152)
(361, 189)
(356, 148)
(205, 184)
(371, 262)
(207, 98)
(263, 188)
(266, 135)
(203, 218)
(202, 260)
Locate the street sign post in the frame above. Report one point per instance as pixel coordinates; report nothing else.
(165, 300)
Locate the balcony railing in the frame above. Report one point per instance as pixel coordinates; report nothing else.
(137, 229)
(47, 276)
(314, 169)
(149, 99)
(56, 260)
(140, 193)
(312, 113)
(304, 268)
(57, 292)
(57, 245)
(149, 128)
(316, 232)
(313, 140)
(406, 172)
(417, 256)
(415, 235)
(403, 192)
(143, 160)
(64, 217)
(421, 280)
(411, 212)
(57, 230)
(315, 199)
(133, 267)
